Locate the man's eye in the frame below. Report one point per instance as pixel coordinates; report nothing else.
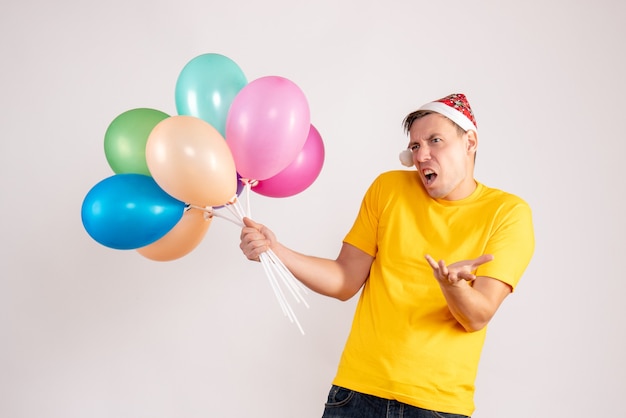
(435, 140)
(414, 147)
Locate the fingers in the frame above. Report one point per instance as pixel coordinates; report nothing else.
(432, 262)
(466, 270)
(479, 261)
(249, 227)
(450, 275)
(440, 270)
(253, 249)
(464, 275)
(461, 270)
(443, 269)
(253, 244)
(249, 222)
(253, 241)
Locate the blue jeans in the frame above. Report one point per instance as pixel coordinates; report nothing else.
(346, 403)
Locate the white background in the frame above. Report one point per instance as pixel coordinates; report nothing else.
(88, 331)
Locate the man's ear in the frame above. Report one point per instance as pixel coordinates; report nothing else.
(472, 141)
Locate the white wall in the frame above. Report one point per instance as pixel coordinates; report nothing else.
(87, 331)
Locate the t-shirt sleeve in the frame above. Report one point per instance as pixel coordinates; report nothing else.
(512, 244)
(363, 234)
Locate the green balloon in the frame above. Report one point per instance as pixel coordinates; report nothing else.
(126, 137)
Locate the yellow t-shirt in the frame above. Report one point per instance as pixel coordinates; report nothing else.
(404, 343)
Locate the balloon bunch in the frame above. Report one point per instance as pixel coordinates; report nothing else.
(174, 174)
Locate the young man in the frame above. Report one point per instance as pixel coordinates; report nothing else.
(415, 341)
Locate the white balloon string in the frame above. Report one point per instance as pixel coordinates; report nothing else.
(267, 265)
(210, 211)
(202, 208)
(288, 279)
(272, 265)
(291, 315)
(286, 271)
(219, 215)
(292, 289)
(232, 210)
(238, 208)
(275, 288)
(248, 211)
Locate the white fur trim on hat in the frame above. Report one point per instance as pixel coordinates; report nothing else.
(406, 158)
(454, 115)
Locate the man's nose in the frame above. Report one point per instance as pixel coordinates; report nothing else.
(422, 154)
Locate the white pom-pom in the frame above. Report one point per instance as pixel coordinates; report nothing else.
(406, 158)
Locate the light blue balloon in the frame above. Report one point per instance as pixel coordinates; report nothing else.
(128, 211)
(207, 86)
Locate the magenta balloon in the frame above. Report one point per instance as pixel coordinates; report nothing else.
(267, 126)
(298, 175)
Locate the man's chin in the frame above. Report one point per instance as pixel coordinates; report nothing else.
(435, 193)
(432, 191)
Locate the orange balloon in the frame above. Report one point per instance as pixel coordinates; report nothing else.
(190, 160)
(180, 240)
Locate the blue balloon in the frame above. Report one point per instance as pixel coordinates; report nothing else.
(207, 86)
(128, 211)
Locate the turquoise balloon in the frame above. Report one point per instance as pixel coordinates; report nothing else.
(128, 211)
(207, 86)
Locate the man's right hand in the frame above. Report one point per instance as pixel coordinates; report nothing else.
(255, 239)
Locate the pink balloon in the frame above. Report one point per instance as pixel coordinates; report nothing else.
(298, 175)
(267, 126)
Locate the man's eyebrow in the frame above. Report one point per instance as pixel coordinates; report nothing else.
(433, 135)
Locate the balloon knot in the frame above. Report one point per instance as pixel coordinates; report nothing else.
(251, 182)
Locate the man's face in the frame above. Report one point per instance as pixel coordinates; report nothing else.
(444, 158)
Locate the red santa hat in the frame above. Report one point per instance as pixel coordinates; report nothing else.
(456, 108)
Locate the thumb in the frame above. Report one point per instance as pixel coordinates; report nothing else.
(250, 223)
(485, 258)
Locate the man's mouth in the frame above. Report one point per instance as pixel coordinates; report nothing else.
(429, 175)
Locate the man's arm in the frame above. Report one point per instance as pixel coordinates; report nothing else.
(473, 306)
(340, 278)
